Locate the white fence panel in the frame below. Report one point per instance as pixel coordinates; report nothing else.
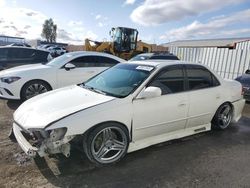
(229, 63)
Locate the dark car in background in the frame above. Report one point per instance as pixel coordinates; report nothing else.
(12, 56)
(20, 44)
(245, 82)
(145, 56)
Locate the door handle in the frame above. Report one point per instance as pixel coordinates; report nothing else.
(183, 103)
(90, 71)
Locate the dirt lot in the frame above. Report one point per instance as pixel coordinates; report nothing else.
(212, 159)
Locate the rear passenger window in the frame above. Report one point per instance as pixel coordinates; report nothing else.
(105, 61)
(85, 61)
(199, 78)
(170, 81)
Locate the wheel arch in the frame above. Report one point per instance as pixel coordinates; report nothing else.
(226, 102)
(86, 133)
(40, 80)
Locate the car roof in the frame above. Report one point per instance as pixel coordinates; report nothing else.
(146, 54)
(156, 54)
(162, 63)
(23, 47)
(80, 53)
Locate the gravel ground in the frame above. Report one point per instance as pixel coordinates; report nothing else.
(212, 159)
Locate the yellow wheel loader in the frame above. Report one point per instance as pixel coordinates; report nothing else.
(124, 44)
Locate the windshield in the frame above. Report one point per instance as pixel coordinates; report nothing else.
(120, 80)
(58, 61)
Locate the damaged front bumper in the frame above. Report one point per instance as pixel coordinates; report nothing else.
(41, 147)
(24, 144)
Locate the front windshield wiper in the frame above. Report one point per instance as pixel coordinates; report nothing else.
(99, 91)
(93, 89)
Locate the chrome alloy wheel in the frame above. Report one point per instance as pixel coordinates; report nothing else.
(35, 89)
(225, 116)
(109, 145)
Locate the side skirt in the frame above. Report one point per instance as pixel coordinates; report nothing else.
(140, 144)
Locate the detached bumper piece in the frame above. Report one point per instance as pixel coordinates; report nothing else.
(24, 144)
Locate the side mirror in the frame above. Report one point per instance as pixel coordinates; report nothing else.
(247, 71)
(69, 66)
(150, 92)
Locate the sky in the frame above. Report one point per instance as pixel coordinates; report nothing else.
(158, 21)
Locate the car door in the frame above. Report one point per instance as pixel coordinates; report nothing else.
(85, 68)
(204, 95)
(19, 56)
(164, 114)
(3, 58)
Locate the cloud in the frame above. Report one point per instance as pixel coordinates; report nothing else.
(14, 22)
(27, 27)
(74, 38)
(98, 16)
(31, 13)
(216, 27)
(153, 12)
(75, 23)
(27, 23)
(64, 35)
(1, 20)
(2, 3)
(129, 2)
(102, 21)
(100, 24)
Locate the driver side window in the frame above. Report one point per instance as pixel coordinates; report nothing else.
(170, 80)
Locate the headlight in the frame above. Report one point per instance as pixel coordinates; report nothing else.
(57, 134)
(10, 79)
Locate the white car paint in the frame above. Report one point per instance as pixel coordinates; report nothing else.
(55, 75)
(149, 121)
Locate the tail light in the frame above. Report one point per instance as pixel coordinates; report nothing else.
(244, 90)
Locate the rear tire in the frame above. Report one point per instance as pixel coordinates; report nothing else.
(34, 88)
(223, 117)
(106, 144)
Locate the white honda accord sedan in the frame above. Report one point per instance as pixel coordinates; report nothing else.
(26, 81)
(126, 108)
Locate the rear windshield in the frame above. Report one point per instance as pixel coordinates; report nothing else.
(166, 57)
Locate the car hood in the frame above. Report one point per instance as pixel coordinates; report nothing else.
(43, 109)
(15, 70)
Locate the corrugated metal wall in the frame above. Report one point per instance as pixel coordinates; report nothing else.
(229, 63)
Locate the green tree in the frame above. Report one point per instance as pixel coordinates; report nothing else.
(49, 30)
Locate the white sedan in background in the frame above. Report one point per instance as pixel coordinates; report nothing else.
(26, 81)
(126, 108)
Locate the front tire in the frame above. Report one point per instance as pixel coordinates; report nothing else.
(106, 144)
(223, 117)
(34, 88)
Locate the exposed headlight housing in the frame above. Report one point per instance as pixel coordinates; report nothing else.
(57, 134)
(9, 79)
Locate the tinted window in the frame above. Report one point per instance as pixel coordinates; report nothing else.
(3, 53)
(167, 57)
(199, 78)
(170, 80)
(20, 53)
(105, 61)
(41, 56)
(85, 61)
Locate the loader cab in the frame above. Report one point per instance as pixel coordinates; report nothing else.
(124, 39)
